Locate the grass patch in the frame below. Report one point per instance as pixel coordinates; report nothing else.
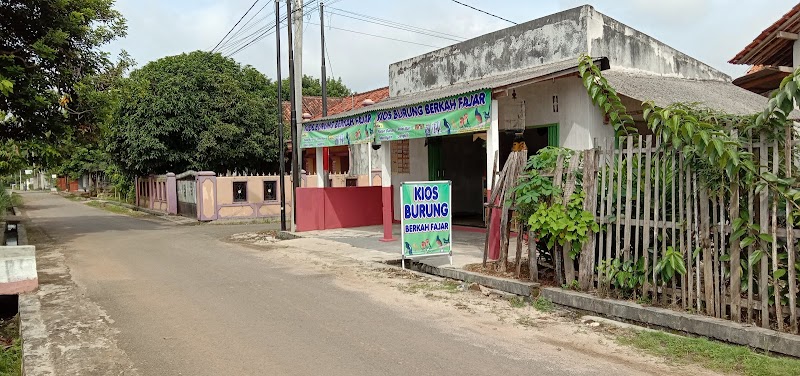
(517, 302)
(713, 355)
(542, 304)
(10, 348)
(447, 286)
(115, 208)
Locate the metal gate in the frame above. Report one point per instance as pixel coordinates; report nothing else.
(187, 196)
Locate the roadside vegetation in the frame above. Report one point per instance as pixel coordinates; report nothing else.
(10, 348)
(709, 354)
(110, 207)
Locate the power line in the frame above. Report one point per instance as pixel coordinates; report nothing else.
(270, 29)
(237, 24)
(485, 12)
(250, 24)
(399, 26)
(406, 27)
(376, 36)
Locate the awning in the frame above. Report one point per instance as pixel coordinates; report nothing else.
(664, 91)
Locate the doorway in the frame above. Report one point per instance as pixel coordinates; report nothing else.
(536, 137)
(462, 160)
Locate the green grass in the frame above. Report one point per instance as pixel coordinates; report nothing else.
(712, 355)
(543, 305)
(517, 302)
(115, 208)
(10, 355)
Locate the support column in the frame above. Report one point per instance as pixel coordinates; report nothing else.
(492, 145)
(172, 194)
(386, 191)
(322, 178)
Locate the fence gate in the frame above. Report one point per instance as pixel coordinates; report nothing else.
(187, 196)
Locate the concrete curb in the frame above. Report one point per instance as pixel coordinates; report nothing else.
(724, 330)
(529, 289)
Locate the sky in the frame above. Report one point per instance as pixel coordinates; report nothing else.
(712, 31)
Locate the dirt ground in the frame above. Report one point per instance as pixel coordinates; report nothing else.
(509, 323)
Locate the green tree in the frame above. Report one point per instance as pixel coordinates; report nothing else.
(197, 111)
(313, 87)
(46, 48)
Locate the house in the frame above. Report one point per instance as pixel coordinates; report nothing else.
(773, 55)
(452, 113)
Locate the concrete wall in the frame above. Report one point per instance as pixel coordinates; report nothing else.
(255, 206)
(628, 48)
(554, 38)
(418, 170)
(580, 122)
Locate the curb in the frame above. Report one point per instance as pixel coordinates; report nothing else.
(711, 327)
(529, 289)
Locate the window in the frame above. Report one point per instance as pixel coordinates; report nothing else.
(240, 191)
(270, 192)
(400, 156)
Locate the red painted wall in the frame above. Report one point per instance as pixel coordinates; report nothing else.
(345, 207)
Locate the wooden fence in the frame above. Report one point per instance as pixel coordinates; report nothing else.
(651, 203)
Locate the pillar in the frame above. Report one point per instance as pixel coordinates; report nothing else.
(206, 194)
(322, 177)
(172, 194)
(386, 191)
(493, 145)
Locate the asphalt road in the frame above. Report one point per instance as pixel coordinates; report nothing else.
(185, 303)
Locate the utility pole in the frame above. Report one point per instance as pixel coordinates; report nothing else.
(282, 155)
(293, 111)
(324, 82)
(297, 14)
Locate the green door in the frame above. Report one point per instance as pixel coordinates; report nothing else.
(552, 135)
(434, 159)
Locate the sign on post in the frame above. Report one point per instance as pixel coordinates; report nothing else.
(426, 222)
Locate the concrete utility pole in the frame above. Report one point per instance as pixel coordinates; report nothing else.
(325, 157)
(282, 155)
(295, 141)
(298, 70)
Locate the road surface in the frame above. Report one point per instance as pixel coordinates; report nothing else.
(160, 299)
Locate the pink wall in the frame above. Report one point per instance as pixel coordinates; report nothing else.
(328, 208)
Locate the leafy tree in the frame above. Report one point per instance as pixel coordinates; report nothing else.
(46, 48)
(313, 87)
(197, 111)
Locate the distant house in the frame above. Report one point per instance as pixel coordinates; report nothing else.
(773, 55)
(337, 158)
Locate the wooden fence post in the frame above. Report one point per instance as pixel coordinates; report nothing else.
(788, 161)
(586, 266)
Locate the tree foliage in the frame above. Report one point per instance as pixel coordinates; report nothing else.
(46, 48)
(198, 111)
(313, 87)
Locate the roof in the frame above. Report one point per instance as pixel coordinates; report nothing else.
(664, 91)
(311, 104)
(356, 101)
(521, 77)
(762, 79)
(774, 45)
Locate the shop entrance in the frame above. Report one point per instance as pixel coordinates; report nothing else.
(536, 138)
(462, 160)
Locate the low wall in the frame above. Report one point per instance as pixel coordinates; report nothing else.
(342, 207)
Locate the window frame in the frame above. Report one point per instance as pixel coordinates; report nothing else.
(235, 199)
(274, 190)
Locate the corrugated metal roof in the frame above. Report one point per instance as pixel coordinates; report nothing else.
(663, 91)
(767, 48)
(492, 82)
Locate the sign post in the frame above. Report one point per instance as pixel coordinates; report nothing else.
(426, 223)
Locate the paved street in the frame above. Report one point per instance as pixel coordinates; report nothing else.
(161, 299)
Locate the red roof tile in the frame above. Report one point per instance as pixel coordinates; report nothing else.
(767, 48)
(313, 104)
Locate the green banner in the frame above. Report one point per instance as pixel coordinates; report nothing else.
(464, 113)
(426, 225)
(345, 131)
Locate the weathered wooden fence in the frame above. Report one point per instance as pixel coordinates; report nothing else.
(651, 203)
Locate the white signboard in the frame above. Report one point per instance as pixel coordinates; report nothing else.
(28, 172)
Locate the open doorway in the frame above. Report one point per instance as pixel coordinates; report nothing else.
(536, 138)
(462, 160)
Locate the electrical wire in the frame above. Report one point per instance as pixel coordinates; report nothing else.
(237, 24)
(484, 12)
(270, 30)
(376, 36)
(393, 24)
(250, 24)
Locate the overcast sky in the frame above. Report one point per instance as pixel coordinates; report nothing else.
(712, 31)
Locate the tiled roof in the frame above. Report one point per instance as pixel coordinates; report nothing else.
(357, 101)
(770, 47)
(312, 105)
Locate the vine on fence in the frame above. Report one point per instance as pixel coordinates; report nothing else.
(716, 153)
